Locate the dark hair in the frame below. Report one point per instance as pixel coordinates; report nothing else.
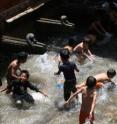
(71, 42)
(86, 39)
(64, 54)
(26, 72)
(111, 73)
(91, 82)
(22, 56)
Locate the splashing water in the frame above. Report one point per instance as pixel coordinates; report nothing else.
(44, 111)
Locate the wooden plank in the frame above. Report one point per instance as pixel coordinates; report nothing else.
(13, 44)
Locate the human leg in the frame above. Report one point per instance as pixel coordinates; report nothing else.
(28, 98)
(9, 85)
(67, 92)
(83, 116)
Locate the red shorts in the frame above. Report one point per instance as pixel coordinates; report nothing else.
(83, 116)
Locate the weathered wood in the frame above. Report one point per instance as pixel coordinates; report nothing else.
(14, 9)
(49, 27)
(30, 10)
(12, 44)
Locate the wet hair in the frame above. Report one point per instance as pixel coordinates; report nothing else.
(26, 72)
(86, 39)
(64, 54)
(90, 82)
(111, 73)
(22, 56)
(71, 42)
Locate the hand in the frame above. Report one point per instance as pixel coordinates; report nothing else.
(22, 78)
(78, 87)
(66, 104)
(93, 56)
(90, 116)
(45, 94)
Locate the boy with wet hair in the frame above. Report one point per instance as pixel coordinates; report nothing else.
(67, 68)
(20, 86)
(70, 45)
(89, 96)
(102, 79)
(13, 67)
(83, 51)
(111, 73)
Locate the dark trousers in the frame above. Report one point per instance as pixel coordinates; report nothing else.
(27, 97)
(69, 86)
(9, 85)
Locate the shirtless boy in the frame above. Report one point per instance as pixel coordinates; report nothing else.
(89, 96)
(102, 78)
(82, 49)
(13, 67)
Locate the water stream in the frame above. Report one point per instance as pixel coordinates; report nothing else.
(45, 111)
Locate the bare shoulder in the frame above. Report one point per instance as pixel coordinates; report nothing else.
(94, 92)
(101, 77)
(79, 45)
(13, 64)
(83, 89)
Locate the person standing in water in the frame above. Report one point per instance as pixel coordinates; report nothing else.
(83, 51)
(13, 67)
(89, 96)
(67, 68)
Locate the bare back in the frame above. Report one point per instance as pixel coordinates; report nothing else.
(12, 69)
(87, 99)
(79, 47)
(102, 77)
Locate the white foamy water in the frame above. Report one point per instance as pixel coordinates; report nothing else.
(42, 68)
(41, 98)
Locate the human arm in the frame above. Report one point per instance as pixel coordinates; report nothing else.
(32, 87)
(77, 47)
(78, 86)
(4, 89)
(59, 71)
(89, 55)
(72, 96)
(76, 68)
(43, 93)
(93, 104)
(14, 84)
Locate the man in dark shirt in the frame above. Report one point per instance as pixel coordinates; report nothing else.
(19, 88)
(67, 68)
